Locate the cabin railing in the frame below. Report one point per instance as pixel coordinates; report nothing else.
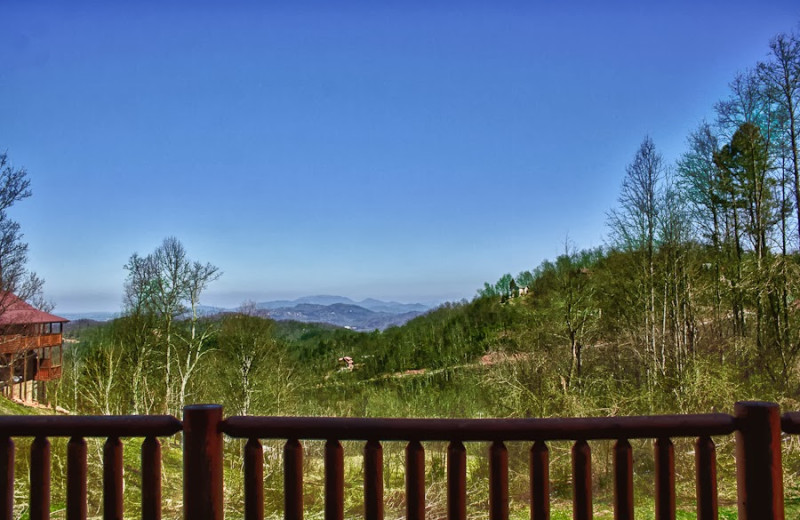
(18, 342)
(757, 428)
(77, 428)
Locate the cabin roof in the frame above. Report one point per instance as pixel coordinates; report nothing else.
(15, 311)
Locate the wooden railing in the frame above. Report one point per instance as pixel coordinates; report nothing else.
(757, 428)
(16, 343)
(77, 428)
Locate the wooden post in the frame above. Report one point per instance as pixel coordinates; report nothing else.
(254, 480)
(623, 480)
(540, 481)
(456, 481)
(6, 478)
(373, 480)
(202, 462)
(334, 480)
(706, 470)
(665, 479)
(77, 488)
(24, 386)
(151, 479)
(498, 481)
(293, 480)
(40, 479)
(581, 481)
(415, 481)
(12, 358)
(759, 475)
(112, 479)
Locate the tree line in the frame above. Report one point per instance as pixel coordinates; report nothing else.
(702, 255)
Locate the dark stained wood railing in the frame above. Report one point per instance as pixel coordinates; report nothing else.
(496, 431)
(77, 428)
(757, 427)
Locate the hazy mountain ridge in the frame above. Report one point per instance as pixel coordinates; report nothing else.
(368, 314)
(390, 307)
(93, 316)
(342, 314)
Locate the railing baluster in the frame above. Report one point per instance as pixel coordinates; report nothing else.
(415, 481)
(40, 479)
(151, 479)
(705, 457)
(373, 480)
(112, 479)
(665, 479)
(6, 478)
(498, 481)
(456, 481)
(540, 481)
(334, 480)
(76, 479)
(293, 480)
(253, 480)
(623, 480)
(581, 481)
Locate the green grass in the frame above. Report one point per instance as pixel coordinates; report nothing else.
(8, 407)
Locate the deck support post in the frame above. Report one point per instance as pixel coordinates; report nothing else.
(202, 462)
(759, 476)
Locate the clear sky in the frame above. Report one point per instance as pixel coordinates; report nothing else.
(394, 150)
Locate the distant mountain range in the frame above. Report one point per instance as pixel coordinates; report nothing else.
(344, 315)
(94, 316)
(368, 314)
(369, 304)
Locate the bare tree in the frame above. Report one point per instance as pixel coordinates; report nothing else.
(633, 228)
(167, 284)
(699, 180)
(575, 304)
(198, 278)
(247, 348)
(781, 77)
(14, 275)
(16, 281)
(102, 379)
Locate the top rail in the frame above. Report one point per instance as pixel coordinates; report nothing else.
(589, 428)
(90, 426)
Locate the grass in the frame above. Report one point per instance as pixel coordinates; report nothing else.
(9, 407)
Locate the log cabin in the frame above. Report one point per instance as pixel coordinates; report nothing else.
(31, 349)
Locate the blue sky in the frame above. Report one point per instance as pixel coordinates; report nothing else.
(391, 150)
